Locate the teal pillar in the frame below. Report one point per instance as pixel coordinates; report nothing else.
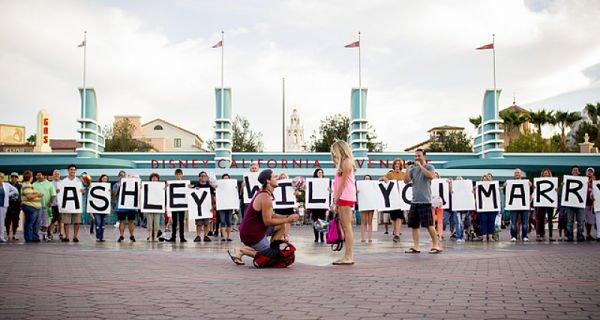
(488, 140)
(358, 124)
(91, 139)
(223, 126)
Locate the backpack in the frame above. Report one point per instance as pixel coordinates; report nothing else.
(335, 235)
(275, 256)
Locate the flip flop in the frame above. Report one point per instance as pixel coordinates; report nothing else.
(412, 250)
(343, 263)
(236, 260)
(434, 251)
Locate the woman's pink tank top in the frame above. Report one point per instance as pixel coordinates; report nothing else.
(349, 192)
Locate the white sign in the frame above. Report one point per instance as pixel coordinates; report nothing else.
(574, 191)
(177, 195)
(317, 193)
(441, 188)
(596, 195)
(129, 194)
(153, 197)
(487, 195)
(406, 195)
(227, 195)
(463, 198)
(69, 197)
(545, 192)
(199, 204)
(367, 195)
(250, 185)
(389, 196)
(517, 195)
(98, 199)
(284, 195)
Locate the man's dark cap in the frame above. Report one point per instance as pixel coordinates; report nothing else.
(264, 176)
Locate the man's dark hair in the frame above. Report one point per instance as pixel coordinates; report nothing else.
(575, 167)
(201, 172)
(40, 171)
(71, 166)
(178, 171)
(225, 175)
(422, 151)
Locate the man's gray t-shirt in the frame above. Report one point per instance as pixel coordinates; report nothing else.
(421, 184)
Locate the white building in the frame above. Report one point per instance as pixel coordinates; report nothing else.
(163, 135)
(294, 141)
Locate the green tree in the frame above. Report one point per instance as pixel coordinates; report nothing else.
(593, 112)
(337, 127)
(451, 142)
(512, 121)
(532, 142)
(583, 128)
(475, 121)
(31, 139)
(540, 118)
(564, 120)
(119, 138)
(244, 138)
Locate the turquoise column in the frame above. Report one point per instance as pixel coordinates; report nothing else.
(358, 124)
(223, 126)
(91, 139)
(488, 140)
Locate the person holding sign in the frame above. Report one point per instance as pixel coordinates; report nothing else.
(99, 219)
(420, 174)
(49, 194)
(543, 213)
(285, 211)
(397, 216)
(590, 219)
(344, 195)
(31, 202)
(316, 214)
(6, 192)
(366, 220)
(260, 221)
(203, 223)
(67, 217)
(574, 212)
(177, 217)
(225, 217)
(123, 213)
(153, 218)
(253, 169)
(515, 214)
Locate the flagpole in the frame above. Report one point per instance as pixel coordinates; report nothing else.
(494, 55)
(283, 113)
(222, 72)
(359, 81)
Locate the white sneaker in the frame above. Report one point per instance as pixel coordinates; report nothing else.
(460, 241)
(513, 240)
(525, 239)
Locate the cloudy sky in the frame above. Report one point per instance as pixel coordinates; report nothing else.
(154, 59)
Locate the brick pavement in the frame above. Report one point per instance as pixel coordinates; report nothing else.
(197, 280)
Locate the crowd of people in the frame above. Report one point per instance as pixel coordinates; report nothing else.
(35, 195)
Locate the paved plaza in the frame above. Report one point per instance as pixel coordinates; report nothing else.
(144, 280)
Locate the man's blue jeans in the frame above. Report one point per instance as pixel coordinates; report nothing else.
(572, 215)
(514, 217)
(32, 223)
(99, 218)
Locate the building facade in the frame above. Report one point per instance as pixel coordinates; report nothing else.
(294, 141)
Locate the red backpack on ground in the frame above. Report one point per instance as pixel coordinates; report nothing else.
(275, 256)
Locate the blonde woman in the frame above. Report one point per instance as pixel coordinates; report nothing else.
(344, 195)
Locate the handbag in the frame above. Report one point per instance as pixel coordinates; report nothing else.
(335, 235)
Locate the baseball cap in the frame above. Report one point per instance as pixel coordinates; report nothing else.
(591, 169)
(14, 174)
(264, 176)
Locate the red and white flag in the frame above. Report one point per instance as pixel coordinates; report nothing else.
(487, 46)
(82, 44)
(354, 44)
(218, 44)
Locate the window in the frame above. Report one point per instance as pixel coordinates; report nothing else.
(177, 143)
(158, 127)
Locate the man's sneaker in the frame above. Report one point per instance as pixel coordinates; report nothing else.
(210, 233)
(159, 233)
(460, 241)
(45, 237)
(197, 239)
(525, 239)
(121, 238)
(396, 238)
(513, 239)
(182, 239)
(172, 239)
(132, 238)
(207, 239)
(386, 232)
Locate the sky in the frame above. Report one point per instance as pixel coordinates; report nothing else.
(154, 59)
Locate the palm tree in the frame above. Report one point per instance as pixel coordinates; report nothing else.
(540, 118)
(512, 121)
(593, 112)
(475, 121)
(565, 119)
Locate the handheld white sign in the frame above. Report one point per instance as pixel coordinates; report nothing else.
(153, 197)
(250, 185)
(317, 193)
(441, 187)
(487, 195)
(227, 195)
(463, 198)
(177, 195)
(596, 195)
(284, 195)
(69, 197)
(574, 191)
(406, 195)
(367, 195)
(517, 195)
(129, 194)
(389, 196)
(98, 199)
(199, 204)
(545, 192)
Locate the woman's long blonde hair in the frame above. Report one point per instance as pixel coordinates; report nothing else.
(342, 151)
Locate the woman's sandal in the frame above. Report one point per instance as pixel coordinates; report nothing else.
(343, 263)
(236, 260)
(434, 251)
(412, 250)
